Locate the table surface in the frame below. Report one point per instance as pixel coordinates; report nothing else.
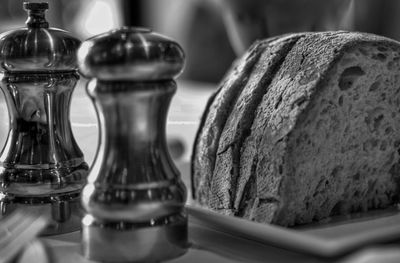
(183, 119)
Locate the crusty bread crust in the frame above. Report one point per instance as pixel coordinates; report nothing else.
(264, 150)
(323, 140)
(214, 118)
(226, 171)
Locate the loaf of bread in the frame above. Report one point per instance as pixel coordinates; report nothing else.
(303, 127)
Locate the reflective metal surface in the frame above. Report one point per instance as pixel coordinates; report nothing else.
(41, 165)
(130, 242)
(37, 47)
(134, 198)
(131, 54)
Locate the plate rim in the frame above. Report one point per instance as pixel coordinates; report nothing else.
(290, 238)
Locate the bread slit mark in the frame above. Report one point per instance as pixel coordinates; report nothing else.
(239, 180)
(288, 74)
(216, 113)
(263, 208)
(193, 179)
(238, 85)
(238, 125)
(247, 197)
(269, 199)
(226, 148)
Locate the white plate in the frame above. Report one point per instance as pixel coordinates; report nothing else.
(323, 240)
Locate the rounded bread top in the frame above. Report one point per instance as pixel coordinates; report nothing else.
(131, 53)
(38, 48)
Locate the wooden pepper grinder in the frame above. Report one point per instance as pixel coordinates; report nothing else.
(134, 199)
(41, 165)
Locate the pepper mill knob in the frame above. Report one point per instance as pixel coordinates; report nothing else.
(134, 198)
(36, 16)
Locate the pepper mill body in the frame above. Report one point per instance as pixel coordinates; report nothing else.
(42, 166)
(134, 199)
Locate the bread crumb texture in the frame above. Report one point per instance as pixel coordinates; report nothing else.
(311, 131)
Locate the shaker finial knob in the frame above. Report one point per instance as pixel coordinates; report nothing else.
(136, 54)
(36, 12)
(134, 199)
(36, 6)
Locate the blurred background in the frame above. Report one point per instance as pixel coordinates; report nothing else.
(196, 25)
(213, 34)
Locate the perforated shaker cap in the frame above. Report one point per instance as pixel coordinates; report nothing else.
(131, 53)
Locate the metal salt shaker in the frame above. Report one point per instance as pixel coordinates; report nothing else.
(41, 165)
(134, 199)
